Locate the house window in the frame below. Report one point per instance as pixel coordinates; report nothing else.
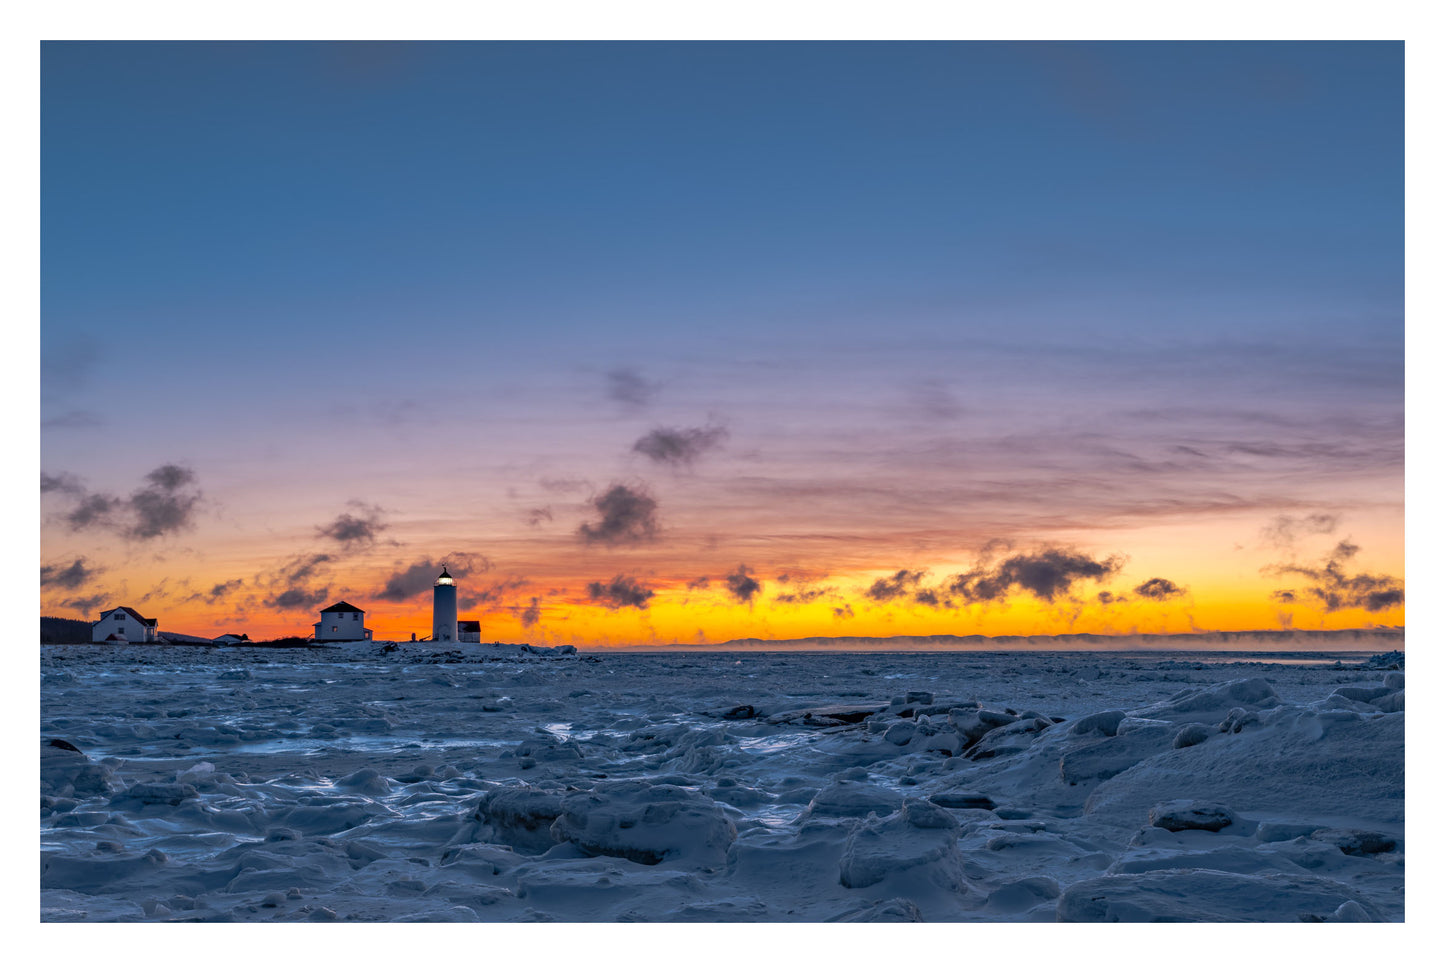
(354, 615)
(120, 616)
(333, 628)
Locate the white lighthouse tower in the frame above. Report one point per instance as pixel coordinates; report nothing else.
(444, 608)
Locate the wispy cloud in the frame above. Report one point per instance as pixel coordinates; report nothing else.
(1332, 588)
(679, 446)
(68, 577)
(1285, 530)
(629, 389)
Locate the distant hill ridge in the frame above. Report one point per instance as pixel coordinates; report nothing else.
(1265, 640)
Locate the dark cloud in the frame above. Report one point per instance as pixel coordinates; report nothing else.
(1285, 530)
(622, 591)
(291, 586)
(304, 567)
(1335, 590)
(162, 506)
(843, 612)
(530, 615)
(1159, 589)
(701, 582)
(1046, 574)
(628, 388)
(94, 511)
(356, 530)
(421, 575)
(69, 577)
(219, 591)
(84, 604)
(537, 516)
(63, 483)
(298, 599)
(679, 446)
(932, 599)
(1284, 596)
(894, 586)
(628, 515)
(741, 585)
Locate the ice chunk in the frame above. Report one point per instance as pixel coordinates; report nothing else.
(1112, 756)
(1207, 705)
(1104, 723)
(918, 842)
(646, 824)
(1393, 702)
(1204, 896)
(64, 770)
(1190, 735)
(522, 818)
(896, 910)
(366, 781)
(1177, 815)
(853, 799)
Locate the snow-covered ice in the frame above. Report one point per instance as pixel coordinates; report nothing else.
(425, 782)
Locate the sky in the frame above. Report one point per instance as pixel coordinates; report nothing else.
(655, 342)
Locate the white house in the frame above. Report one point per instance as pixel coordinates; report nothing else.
(469, 630)
(123, 625)
(231, 638)
(342, 622)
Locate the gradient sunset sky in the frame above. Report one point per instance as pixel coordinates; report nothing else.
(656, 342)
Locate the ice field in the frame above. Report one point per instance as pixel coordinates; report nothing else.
(474, 782)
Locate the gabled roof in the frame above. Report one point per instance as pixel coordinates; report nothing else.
(342, 607)
(473, 626)
(129, 611)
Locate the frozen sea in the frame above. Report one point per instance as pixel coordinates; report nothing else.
(481, 783)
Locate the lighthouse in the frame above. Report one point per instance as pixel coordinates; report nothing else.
(444, 608)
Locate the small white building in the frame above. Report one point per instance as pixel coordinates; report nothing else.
(469, 630)
(342, 622)
(231, 638)
(121, 626)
